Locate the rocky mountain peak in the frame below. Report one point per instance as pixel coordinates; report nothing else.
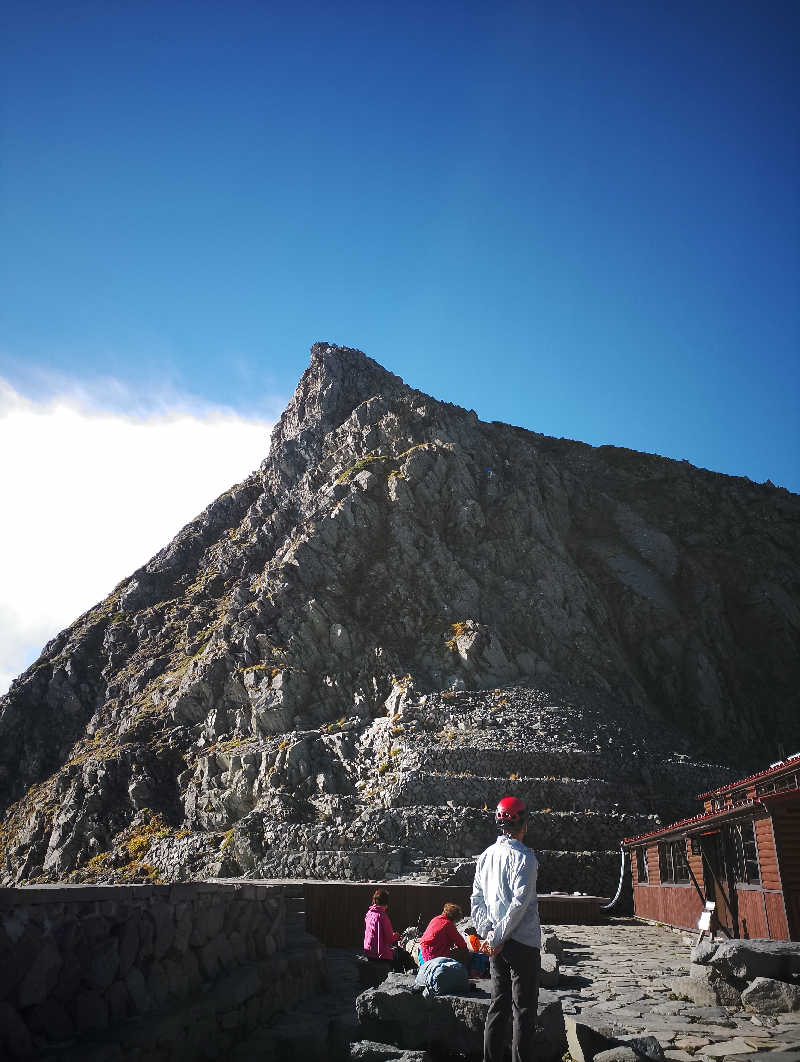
(337, 381)
(401, 613)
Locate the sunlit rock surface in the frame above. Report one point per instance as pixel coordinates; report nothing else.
(402, 615)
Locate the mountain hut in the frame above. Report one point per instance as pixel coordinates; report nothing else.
(741, 853)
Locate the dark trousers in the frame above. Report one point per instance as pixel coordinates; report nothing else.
(515, 992)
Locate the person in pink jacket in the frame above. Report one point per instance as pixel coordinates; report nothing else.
(379, 937)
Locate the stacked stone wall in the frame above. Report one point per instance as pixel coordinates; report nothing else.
(687, 775)
(550, 793)
(146, 973)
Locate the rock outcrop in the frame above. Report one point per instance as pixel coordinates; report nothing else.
(401, 615)
(453, 1022)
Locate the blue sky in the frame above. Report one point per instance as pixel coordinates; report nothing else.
(578, 217)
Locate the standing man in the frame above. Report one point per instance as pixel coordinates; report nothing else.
(505, 911)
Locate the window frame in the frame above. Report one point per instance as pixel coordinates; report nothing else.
(642, 869)
(673, 860)
(746, 864)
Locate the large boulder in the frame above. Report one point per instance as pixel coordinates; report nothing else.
(549, 971)
(595, 1042)
(586, 1039)
(392, 1011)
(551, 945)
(768, 996)
(711, 990)
(704, 951)
(368, 1051)
(745, 960)
(701, 993)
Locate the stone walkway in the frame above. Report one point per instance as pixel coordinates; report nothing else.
(615, 976)
(618, 975)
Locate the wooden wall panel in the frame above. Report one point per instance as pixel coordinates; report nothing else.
(335, 909)
(786, 821)
(768, 861)
(752, 914)
(677, 905)
(653, 868)
(776, 916)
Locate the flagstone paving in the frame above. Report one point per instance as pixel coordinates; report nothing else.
(618, 975)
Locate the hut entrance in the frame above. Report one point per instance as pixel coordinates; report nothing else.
(716, 880)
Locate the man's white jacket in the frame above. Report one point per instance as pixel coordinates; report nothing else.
(504, 903)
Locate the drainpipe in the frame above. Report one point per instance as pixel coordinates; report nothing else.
(608, 906)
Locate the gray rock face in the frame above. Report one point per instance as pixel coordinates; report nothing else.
(586, 1039)
(767, 996)
(368, 1051)
(749, 959)
(549, 971)
(306, 681)
(703, 993)
(455, 1023)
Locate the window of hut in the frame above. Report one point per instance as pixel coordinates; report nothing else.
(745, 854)
(672, 861)
(641, 865)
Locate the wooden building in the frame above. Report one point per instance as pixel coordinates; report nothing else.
(742, 852)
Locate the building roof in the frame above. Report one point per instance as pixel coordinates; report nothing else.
(731, 811)
(791, 762)
(695, 820)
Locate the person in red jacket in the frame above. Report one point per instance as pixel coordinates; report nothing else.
(379, 937)
(442, 935)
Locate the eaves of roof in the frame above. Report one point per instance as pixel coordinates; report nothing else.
(786, 766)
(692, 824)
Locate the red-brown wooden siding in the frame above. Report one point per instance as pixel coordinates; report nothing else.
(767, 860)
(761, 911)
(786, 822)
(653, 865)
(752, 913)
(776, 916)
(677, 905)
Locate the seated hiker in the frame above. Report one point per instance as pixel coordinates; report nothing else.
(379, 937)
(478, 959)
(441, 936)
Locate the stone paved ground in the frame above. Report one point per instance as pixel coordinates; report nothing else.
(614, 975)
(618, 974)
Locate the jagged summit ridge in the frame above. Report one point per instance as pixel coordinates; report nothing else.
(337, 381)
(389, 548)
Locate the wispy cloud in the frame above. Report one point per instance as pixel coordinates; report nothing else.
(89, 494)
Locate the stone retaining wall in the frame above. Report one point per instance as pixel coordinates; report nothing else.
(556, 794)
(676, 779)
(145, 973)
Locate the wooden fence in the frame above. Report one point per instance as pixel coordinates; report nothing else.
(335, 909)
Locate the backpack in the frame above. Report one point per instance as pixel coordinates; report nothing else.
(442, 977)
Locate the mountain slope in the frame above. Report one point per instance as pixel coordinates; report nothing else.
(389, 548)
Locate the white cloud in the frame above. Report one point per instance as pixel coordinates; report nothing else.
(88, 495)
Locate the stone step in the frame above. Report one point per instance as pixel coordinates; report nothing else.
(591, 871)
(537, 763)
(568, 831)
(565, 830)
(595, 873)
(540, 794)
(455, 831)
